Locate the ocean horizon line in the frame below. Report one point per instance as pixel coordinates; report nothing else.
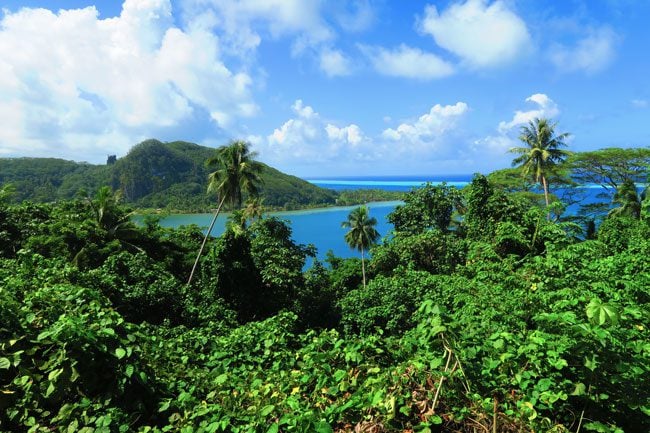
(384, 182)
(368, 181)
(423, 177)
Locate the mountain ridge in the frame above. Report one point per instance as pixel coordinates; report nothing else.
(153, 174)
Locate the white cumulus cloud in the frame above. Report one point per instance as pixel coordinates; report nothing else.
(546, 107)
(308, 138)
(498, 145)
(351, 134)
(310, 141)
(242, 25)
(240, 22)
(592, 53)
(429, 128)
(481, 33)
(78, 86)
(407, 62)
(335, 63)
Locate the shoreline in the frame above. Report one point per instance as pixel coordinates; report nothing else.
(323, 207)
(301, 211)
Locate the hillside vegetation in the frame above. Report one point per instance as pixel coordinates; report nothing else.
(504, 320)
(152, 175)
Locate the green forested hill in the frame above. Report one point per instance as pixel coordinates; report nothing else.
(153, 174)
(45, 179)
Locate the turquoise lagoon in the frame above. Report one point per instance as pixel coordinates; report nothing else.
(322, 227)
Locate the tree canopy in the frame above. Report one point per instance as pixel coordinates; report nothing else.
(610, 167)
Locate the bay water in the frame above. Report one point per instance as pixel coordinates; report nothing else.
(322, 227)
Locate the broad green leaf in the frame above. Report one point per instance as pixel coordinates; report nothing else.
(73, 426)
(75, 374)
(54, 374)
(377, 397)
(267, 410)
(4, 363)
(163, 407)
(339, 375)
(213, 427)
(120, 353)
(598, 427)
(221, 379)
(323, 427)
(580, 389)
(600, 313)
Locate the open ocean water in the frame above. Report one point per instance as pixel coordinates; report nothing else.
(322, 227)
(390, 183)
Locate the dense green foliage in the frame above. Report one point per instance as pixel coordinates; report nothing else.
(152, 175)
(496, 319)
(429, 207)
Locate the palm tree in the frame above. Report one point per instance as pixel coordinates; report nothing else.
(236, 173)
(362, 233)
(542, 151)
(112, 222)
(109, 217)
(254, 209)
(629, 199)
(105, 207)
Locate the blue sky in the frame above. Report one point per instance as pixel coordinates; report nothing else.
(323, 88)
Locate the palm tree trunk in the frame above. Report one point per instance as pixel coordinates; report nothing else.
(546, 196)
(545, 189)
(205, 239)
(363, 269)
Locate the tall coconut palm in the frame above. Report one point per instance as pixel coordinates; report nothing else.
(236, 173)
(362, 234)
(542, 151)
